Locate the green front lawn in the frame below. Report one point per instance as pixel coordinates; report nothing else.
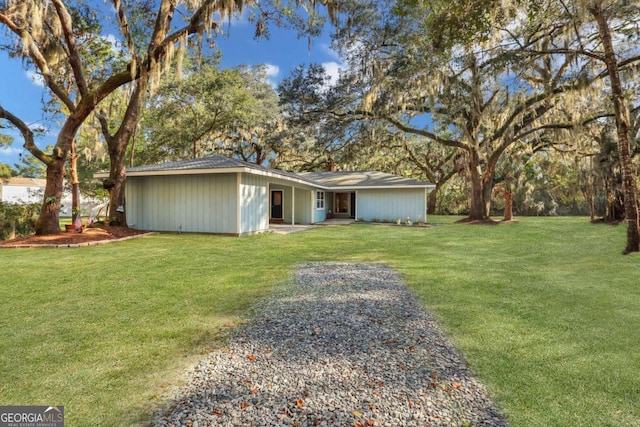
(547, 312)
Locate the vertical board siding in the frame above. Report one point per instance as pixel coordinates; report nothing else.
(303, 206)
(254, 202)
(391, 204)
(287, 197)
(132, 204)
(209, 203)
(189, 203)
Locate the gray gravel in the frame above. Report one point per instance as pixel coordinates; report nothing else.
(343, 345)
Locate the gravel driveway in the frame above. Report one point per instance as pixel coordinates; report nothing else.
(342, 345)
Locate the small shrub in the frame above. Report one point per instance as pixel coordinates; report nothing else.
(17, 220)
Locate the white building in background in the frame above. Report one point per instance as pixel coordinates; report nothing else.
(21, 190)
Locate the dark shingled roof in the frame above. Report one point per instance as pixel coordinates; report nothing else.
(214, 162)
(326, 180)
(346, 179)
(209, 163)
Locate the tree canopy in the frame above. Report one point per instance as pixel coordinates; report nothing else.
(226, 111)
(63, 42)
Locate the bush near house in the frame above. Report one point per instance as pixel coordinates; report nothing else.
(17, 220)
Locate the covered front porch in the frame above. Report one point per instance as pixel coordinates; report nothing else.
(341, 204)
(291, 204)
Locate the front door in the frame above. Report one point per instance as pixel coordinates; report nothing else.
(276, 204)
(341, 204)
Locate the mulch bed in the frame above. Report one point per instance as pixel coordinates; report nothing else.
(89, 235)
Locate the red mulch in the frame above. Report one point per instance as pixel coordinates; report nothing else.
(88, 235)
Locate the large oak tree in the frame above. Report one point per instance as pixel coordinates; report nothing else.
(50, 35)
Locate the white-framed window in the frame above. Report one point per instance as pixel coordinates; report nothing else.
(319, 199)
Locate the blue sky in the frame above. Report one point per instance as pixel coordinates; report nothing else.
(21, 94)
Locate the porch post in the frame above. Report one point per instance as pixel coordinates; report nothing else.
(293, 205)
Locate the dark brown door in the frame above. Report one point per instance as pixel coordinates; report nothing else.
(276, 204)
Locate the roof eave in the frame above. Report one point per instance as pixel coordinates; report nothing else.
(380, 187)
(269, 173)
(173, 172)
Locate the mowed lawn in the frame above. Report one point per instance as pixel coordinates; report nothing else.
(546, 312)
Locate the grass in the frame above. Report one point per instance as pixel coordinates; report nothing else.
(547, 312)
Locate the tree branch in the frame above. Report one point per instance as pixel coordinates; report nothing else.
(409, 129)
(33, 51)
(74, 57)
(27, 134)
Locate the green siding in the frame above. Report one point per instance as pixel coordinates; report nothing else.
(303, 206)
(391, 204)
(210, 203)
(188, 203)
(254, 204)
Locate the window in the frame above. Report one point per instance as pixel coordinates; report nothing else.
(319, 199)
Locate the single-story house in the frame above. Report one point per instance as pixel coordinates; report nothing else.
(228, 196)
(21, 190)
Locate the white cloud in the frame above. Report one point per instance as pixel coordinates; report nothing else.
(226, 24)
(333, 69)
(35, 78)
(38, 128)
(9, 150)
(272, 70)
(326, 48)
(116, 46)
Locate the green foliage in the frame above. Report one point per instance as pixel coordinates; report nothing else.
(5, 139)
(6, 170)
(17, 220)
(231, 111)
(320, 131)
(447, 23)
(284, 13)
(30, 167)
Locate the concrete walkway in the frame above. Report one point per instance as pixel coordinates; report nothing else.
(288, 228)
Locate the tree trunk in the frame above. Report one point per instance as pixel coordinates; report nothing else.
(118, 176)
(117, 152)
(622, 126)
(49, 219)
(487, 190)
(591, 191)
(508, 200)
(477, 206)
(75, 182)
(431, 200)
